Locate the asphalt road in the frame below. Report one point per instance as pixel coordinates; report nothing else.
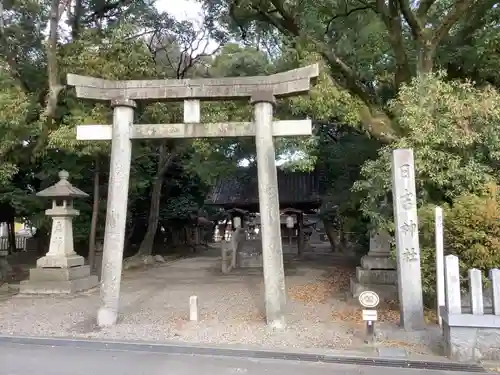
(16, 359)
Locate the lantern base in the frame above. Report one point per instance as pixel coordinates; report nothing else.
(58, 281)
(58, 261)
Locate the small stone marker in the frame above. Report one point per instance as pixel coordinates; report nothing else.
(495, 289)
(193, 308)
(476, 291)
(411, 303)
(453, 298)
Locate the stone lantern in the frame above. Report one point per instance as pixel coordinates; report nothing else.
(61, 270)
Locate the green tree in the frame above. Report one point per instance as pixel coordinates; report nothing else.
(370, 48)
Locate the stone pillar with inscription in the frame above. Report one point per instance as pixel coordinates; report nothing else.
(407, 242)
(61, 270)
(378, 270)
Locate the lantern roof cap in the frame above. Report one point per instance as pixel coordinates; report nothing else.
(62, 189)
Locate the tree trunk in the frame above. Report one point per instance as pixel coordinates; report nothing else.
(56, 9)
(75, 22)
(11, 227)
(129, 234)
(426, 52)
(331, 233)
(343, 239)
(146, 247)
(165, 159)
(176, 236)
(95, 216)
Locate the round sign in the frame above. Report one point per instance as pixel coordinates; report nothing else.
(369, 299)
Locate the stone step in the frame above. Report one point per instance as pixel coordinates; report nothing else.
(58, 287)
(384, 277)
(370, 262)
(59, 274)
(385, 292)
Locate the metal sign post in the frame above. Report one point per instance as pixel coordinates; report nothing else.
(369, 300)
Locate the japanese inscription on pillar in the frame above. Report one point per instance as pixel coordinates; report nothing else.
(408, 228)
(410, 254)
(407, 243)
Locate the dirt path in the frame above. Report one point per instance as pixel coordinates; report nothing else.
(154, 306)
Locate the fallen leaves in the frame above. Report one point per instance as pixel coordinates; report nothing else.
(340, 278)
(311, 293)
(255, 316)
(387, 313)
(336, 281)
(414, 348)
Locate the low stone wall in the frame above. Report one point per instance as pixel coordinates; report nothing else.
(470, 337)
(471, 333)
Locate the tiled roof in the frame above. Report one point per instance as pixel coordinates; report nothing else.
(241, 189)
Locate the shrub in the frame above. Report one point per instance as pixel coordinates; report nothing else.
(471, 232)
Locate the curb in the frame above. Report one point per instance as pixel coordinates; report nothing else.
(333, 357)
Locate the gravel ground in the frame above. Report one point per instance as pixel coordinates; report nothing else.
(154, 306)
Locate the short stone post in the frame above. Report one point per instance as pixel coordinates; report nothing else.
(116, 212)
(61, 270)
(407, 243)
(272, 251)
(453, 298)
(193, 308)
(494, 275)
(476, 291)
(438, 232)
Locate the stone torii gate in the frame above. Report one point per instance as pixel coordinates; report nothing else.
(261, 90)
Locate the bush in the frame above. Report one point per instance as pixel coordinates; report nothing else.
(471, 232)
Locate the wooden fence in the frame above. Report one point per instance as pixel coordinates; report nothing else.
(20, 243)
